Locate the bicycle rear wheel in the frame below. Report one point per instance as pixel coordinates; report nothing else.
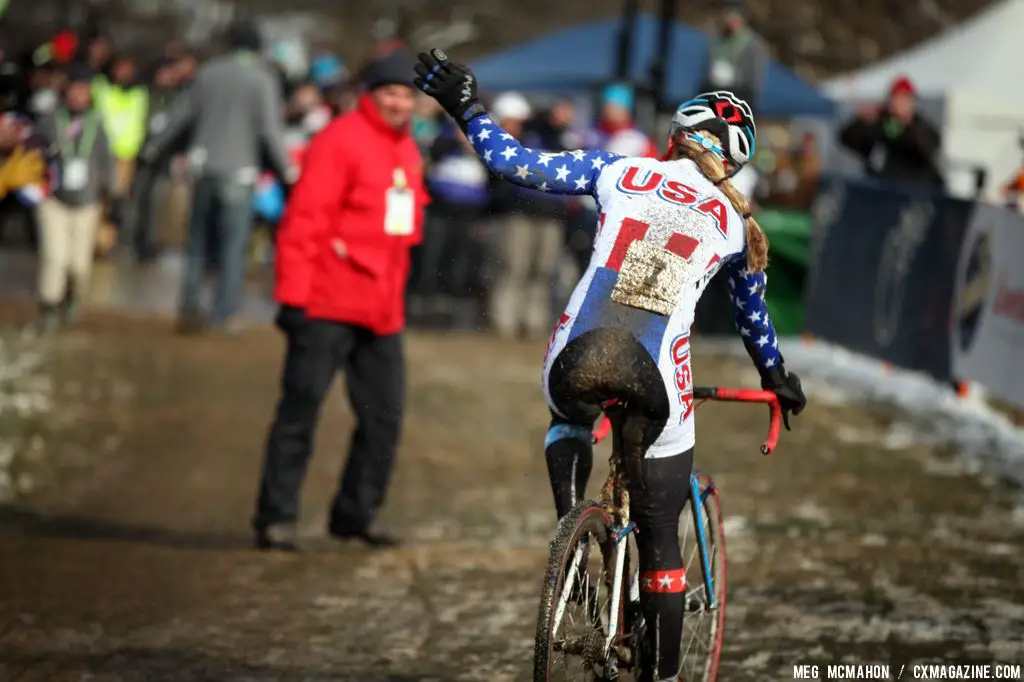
(704, 624)
(575, 603)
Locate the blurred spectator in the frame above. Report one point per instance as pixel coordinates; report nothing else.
(739, 57)
(59, 50)
(306, 115)
(70, 217)
(558, 122)
(427, 121)
(458, 184)
(327, 70)
(343, 98)
(535, 234)
(123, 103)
(342, 264)
(581, 218)
(187, 66)
(233, 113)
(531, 241)
(44, 85)
(894, 140)
(806, 166)
(14, 172)
(174, 51)
(13, 92)
(23, 175)
(162, 195)
(1013, 192)
(290, 57)
(97, 55)
(615, 131)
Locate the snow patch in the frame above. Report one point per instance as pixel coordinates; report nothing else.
(25, 391)
(934, 414)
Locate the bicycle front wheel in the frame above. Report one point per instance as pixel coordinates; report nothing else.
(575, 604)
(702, 540)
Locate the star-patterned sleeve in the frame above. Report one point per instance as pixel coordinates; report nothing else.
(746, 291)
(565, 173)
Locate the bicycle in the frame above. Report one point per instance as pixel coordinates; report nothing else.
(609, 640)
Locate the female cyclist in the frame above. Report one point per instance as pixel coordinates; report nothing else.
(665, 228)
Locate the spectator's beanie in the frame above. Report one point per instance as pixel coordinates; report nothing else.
(511, 106)
(327, 70)
(245, 35)
(738, 6)
(397, 68)
(65, 46)
(902, 85)
(618, 94)
(77, 72)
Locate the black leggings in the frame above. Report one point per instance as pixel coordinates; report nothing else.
(609, 363)
(655, 507)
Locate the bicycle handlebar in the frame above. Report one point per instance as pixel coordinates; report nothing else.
(741, 395)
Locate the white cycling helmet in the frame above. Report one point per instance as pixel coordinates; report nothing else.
(725, 116)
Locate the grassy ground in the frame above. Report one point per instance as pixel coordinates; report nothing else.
(124, 543)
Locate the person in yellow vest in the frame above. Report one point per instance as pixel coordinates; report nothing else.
(124, 106)
(68, 219)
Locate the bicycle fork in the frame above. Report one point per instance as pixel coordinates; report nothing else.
(698, 498)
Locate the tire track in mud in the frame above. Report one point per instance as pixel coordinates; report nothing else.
(135, 565)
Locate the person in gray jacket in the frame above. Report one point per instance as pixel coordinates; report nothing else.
(84, 176)
(739, 57)
(233, 112)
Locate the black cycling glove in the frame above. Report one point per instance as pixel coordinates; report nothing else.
(786, 387)
(452, 85)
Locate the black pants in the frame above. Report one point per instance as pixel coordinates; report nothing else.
(374, 368)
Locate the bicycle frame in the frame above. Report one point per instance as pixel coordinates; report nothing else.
(614, 496)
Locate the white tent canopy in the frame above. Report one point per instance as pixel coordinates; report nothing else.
(980, 55)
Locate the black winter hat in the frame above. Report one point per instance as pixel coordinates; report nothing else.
(79, 72)
(395, 68)
(245, 35)
(739, 6)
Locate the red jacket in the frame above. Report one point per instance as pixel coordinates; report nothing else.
(334, 257)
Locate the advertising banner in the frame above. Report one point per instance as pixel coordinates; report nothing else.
(883, 273)
(988, 329)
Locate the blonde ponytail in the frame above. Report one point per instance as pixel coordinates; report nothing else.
(710, 164)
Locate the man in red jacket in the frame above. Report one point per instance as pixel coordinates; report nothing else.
(342, 264)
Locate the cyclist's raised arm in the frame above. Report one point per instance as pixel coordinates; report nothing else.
(453, 85)
(564, 173)
(747, 290)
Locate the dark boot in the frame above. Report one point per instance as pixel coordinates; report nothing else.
(191, 322)
(283, 537)
(373, 539)
(49, 319)
(69, 312)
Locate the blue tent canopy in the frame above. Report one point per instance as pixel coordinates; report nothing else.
(581, 58)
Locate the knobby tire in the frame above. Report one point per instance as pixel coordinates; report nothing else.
(586, 517)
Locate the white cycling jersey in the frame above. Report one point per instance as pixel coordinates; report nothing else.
(664, 231)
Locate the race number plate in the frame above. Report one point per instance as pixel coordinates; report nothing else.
(652, 278)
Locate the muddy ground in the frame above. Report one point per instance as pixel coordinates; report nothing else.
(130, 459)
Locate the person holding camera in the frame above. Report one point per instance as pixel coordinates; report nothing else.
(894, 140)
